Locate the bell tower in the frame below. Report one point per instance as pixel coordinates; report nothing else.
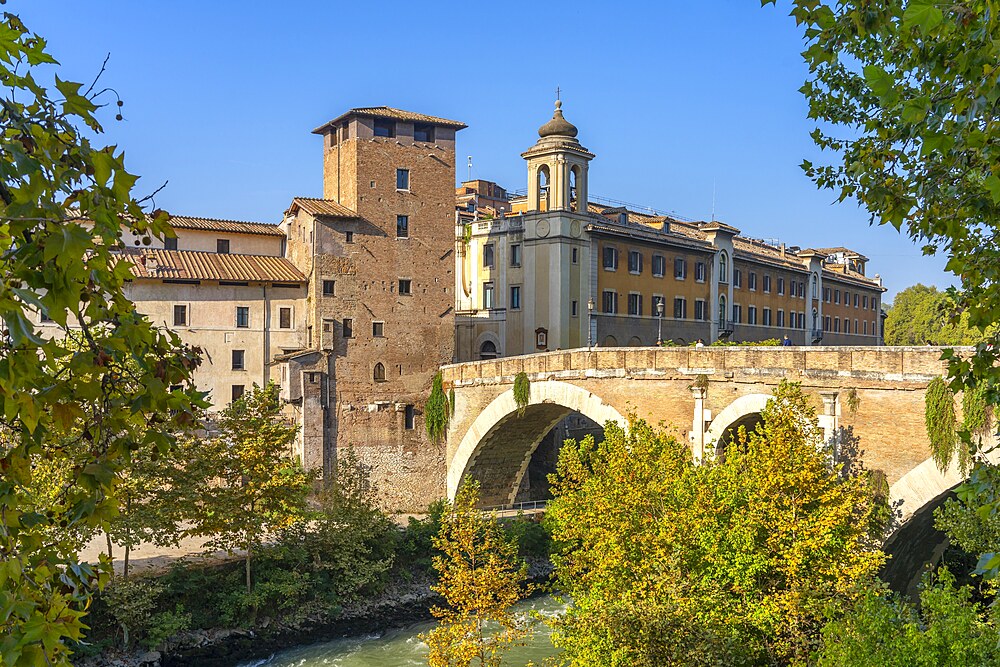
(557, 167)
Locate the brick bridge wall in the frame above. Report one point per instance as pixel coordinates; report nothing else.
(486, 439)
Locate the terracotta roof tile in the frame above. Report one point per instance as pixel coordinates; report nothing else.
(321, 207)
(191, 265)
(395, 114)
(218, 225)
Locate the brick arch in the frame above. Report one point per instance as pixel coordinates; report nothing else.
(504, 442)
(743, 406)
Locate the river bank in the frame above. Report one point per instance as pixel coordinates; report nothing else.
(402, 603)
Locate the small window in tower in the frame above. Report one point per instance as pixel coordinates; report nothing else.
(222, 246)
(402, 226)
(385, 128)
(378, 329)
(242, 317)
(575, 256)
(408, 418)
(285, 318)
(345, 132)
(405, 286)
(379, 373)
(348, 327)
(423, 132)
(239, 360)
(348, 237)
(402, 179)
(515, 254)
(238, 391)
(329, 287)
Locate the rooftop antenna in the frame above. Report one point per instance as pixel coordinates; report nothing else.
(470, 167)
(713, 199)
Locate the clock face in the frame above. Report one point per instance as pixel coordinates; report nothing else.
(542, 228)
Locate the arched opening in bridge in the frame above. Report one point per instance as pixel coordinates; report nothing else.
(729, 435)
(743, 412)
(535, 481)
(913, 548)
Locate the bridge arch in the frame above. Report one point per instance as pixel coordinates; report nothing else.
(498, 445)
(740, 410)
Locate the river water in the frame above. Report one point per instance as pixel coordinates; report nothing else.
(403, 648)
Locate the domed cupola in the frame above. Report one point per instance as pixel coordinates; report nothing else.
(558, 126)
(557, 167)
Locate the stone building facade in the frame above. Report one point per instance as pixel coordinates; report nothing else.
(559, 272)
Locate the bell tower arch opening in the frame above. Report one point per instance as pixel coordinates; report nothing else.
(557, 167)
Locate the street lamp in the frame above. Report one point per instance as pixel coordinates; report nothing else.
(590, 322)
(659, 321)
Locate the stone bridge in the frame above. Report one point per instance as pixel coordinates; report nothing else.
(487, 439)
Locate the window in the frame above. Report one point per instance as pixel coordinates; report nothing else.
(737, 312)
(488, 255)
(767, 284)
(348, 237)
(659, 306)
(659, 266)
(722, 311)
(680, 308)
(574, 308)
(866, 327)
(405, 286)
(348, 327)
(423, 132)
(284, 318)
(488, 350)
(180, 316)
(378, 329)
(802, 290)
(815, 287)
(699, 309)
(737, 278)
(751, 315)
(857, 299)
(836, 296)
(752, 281)
(238, 391)
(610, 258)
(634, 261)
(170, 243)
(239, 356)
(242, 317)
(767, 317)
(857, 330)
(575, 255)
(634, 304)
(864, 302)
(487, 296)
(378, 373)
(680, 268)
(874, 307)
(408, 420)
(781, 286)
(222, 246)
(826, 323)
(609, 302)
(780, 318)
(836, 325)
(402, 179)
(515, 298)
(723, 268)
(402, 226)
(329, 287)
(699, 272)
(826, 294)
(515, 254)
(385, 128)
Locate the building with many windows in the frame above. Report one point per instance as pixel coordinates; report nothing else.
(560, 271)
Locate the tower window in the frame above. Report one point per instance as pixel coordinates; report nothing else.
(408, 418)
(402, 179)
(329, 287)
(348, 327)
(515, 254)
(239, 358)
(348, 237)
(378, 329)
(515, 297)
(285, 318)
(423, 132)
(575, 255)
(402, 226)
(242, 317)
(222, 246)
(238, 391)
(487, 295)
(180, 316)
(385, 128)
(405, 286)
(488, 255)
(378, 374)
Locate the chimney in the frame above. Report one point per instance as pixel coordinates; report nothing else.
(782, 250)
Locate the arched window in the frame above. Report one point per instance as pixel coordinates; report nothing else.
(488, 350)
(815, 326)
(723, 268)
(543, 188)
(574, 196)
(379, 373)
(815, 287)
(610, 341)
(722, 310)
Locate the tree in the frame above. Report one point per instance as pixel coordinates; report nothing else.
(731, 561)
(884, 631)
(480, 579)
(921, 314)
(64, 203)
(248, 485)
(905, 94)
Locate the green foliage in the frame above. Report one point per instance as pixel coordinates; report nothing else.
(884, 631)
(522, 392)
(921, 314)
(417, 543)
(700, 381)
(939, 417)
(853, 400)
(977, 413)
(729, 562)
(65, 203)
(531, 537)
(451, 402)
(436, 410)
(973, 531)
(133, 604)
(480, 579)
(768, 342)
(247, 485)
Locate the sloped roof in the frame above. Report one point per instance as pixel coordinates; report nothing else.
(321, 208)
(220, 225)
(395, 114)
(161, 264)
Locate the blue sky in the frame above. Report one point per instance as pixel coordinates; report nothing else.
(673, 97)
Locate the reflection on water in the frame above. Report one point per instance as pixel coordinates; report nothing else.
(402, 648)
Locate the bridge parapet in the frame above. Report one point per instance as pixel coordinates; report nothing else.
(873, 364)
